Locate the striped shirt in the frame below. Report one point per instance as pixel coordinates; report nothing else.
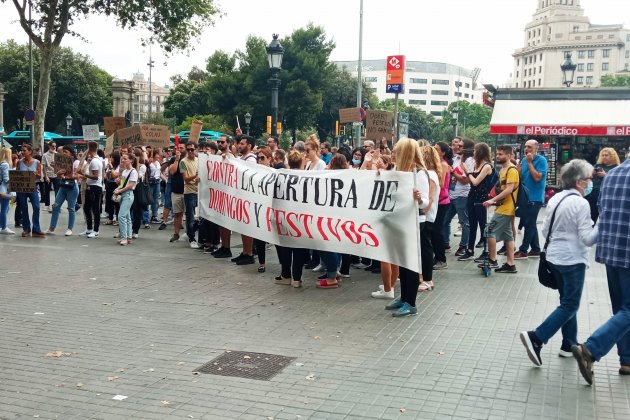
(613, 242)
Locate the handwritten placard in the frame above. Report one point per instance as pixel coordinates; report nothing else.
(91, 133)
(156, 136)
(348, 115)
(109, 145)
(378, 124)
(22, 181)
(63, 162)
(113, 124)
(129, 137)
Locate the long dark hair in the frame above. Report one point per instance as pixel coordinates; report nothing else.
(482, 153)
(468, 150)
(115, 158)
(448, 152)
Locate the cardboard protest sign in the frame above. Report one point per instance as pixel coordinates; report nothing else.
(129, 137)
(109, 145)
(195, 132)
(156, 136)
(63, 162)
(378, 124)
(91, 133)
(355, 212)
(113, 124)
(22, 181)
(348, 115)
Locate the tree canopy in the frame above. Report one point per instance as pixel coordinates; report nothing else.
(78, 88)
(616, 80)
(311, 93)
(170, 23)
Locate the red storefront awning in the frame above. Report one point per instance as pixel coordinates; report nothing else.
(561, 118)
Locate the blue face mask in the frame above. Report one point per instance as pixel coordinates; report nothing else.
(356, 161)
(589, 188)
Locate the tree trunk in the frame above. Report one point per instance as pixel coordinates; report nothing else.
(46, 56)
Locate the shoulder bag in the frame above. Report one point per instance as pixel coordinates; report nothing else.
(143, 195)
(545, 276)
(117, 198)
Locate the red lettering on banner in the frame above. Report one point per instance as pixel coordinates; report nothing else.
(222, 173)
(297, 225)
(230, 206)
(366, 230)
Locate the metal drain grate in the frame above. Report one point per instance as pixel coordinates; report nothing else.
(260, 366)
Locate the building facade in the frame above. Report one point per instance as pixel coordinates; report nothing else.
(133, 96)
(559, 28)
(428, 86)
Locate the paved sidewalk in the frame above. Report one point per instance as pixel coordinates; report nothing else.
(136, 321)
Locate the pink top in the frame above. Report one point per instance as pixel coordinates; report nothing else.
(444, 198)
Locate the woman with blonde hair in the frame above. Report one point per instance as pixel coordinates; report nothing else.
(409, 159)
(5, 198)
(608, 159)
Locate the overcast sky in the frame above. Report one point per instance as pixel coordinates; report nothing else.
(469, 33)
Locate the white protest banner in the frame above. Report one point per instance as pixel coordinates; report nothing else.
(348, 211)
(90, 133)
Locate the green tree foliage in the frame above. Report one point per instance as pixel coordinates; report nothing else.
(618, 80)
(311, 92)
(210, 122)
(78, 88)
(170, 24)
(421, 124)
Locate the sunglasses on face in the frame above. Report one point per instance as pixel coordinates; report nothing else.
(190, 150)
(221, 141)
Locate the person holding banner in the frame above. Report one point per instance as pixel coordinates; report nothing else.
(409, 159)
(246, 146)
(28, 163)
(5, 198)
(68, 191)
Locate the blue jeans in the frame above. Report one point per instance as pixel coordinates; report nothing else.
(458, 206)
(331, 260)
(617, 329)
(190, 201)
(4, 211)
(530, 236)
(155, 190)
(22, 199)
(65, 194)
(124, 215)
(570, 283)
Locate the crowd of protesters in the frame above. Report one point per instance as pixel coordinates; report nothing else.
(463, 179)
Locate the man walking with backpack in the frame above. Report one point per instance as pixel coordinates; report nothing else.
(533, 168)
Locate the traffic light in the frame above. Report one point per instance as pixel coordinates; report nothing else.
(269, 124)
(342, 130)
(278, 127)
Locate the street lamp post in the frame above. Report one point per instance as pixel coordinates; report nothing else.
(456, 115)
(68, 125)
(274, 55)
(248, 119)
(568, 71)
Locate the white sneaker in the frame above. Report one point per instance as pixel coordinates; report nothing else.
(134, 236)
(68, 232)
(7, 231)
(194, 245)
(320, 267)
(49, 232)
(85, 233)
(49, 209)
(94, 234)
(381, 294)
(360, 266)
